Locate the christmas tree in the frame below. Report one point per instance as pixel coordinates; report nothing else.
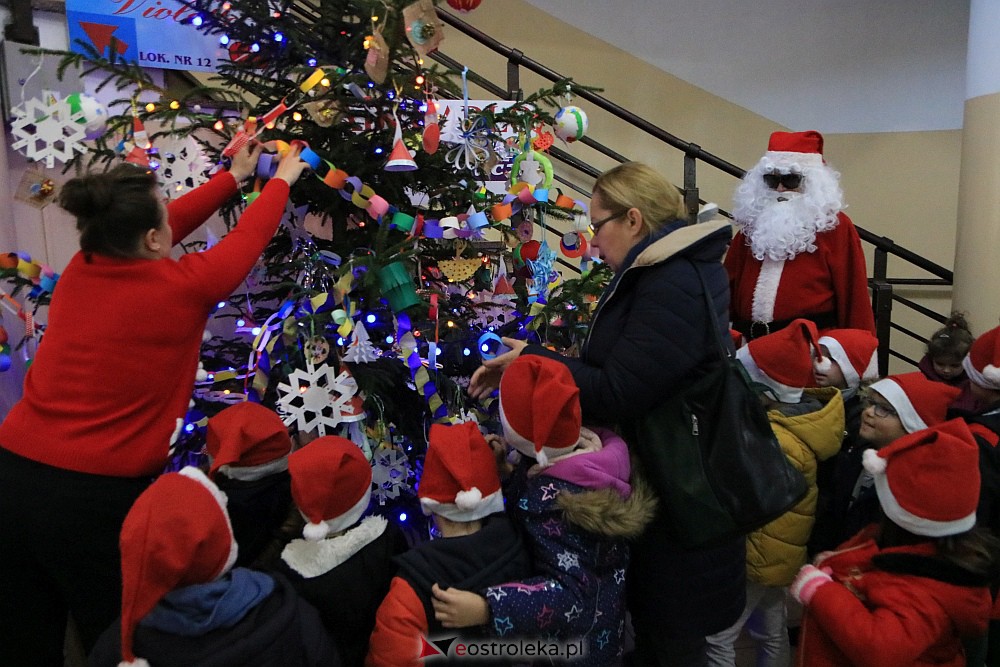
(370, 324)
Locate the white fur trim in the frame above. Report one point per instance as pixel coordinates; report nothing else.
(871, 370)
(765, 293)
(872, 462)
(178, 425)
(312, 532)
(838, 354)
(490, 504)
(138, 662)
(823, 364)
(253, 473)
(515, 439)
(986, 382)
(312, 559)
(992, 373)
(913, 523)
(788, 159)
(220, 497)
(900, 402)
(781, 392)
(468, 500)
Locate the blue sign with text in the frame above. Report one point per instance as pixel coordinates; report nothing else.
(152, 33)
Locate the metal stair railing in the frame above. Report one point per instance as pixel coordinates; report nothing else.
(882, 286)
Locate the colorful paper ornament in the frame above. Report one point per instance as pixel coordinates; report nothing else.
(397, 286)
(423, 29)
(432, 130)
(400, 158)
(464, 6)
(570, 123)
(390, 473)
(47, 131)
(94, 114)
(377, 60)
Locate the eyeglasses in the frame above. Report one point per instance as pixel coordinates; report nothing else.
(596, 225)
(790, 181)
(882, 411)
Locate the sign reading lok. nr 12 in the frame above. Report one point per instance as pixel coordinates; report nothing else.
(152, 33)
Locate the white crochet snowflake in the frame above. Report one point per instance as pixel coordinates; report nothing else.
(319, 399)
(390, 473)
(183, 165)
(47, 131)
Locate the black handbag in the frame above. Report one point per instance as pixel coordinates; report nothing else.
(711, 456)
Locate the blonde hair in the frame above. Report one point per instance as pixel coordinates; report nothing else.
(637, 185)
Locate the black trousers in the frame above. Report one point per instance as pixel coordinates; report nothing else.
(58, 554)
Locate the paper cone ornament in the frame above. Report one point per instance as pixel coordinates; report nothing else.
(400, 158)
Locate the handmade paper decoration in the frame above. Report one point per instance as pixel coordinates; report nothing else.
(48, 131)
(361, 350)
(390, 473)
(183, 165)
(318, 399)
(397, 286)
(570, 123)
(35, 189)
(377, 60)
(464, 6)
(423, 28)
(94, 114)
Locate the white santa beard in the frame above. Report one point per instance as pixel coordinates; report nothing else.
(786, 225)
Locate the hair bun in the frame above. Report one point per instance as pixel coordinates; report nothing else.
(87, 196)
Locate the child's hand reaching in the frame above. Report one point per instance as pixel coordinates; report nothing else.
(459, 609)
(499, 447)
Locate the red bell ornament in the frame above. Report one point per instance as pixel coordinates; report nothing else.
(464, 5)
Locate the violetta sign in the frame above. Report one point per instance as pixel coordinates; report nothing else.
(151, 33)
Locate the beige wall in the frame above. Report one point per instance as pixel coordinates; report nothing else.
(900, 185)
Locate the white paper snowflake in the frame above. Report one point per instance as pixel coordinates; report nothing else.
(47, 131)
(390, 473)
(183, 165)
(318, 398)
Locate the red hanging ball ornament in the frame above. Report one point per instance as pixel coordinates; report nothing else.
(464, 5)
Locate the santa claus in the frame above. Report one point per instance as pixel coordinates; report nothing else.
(796, 254)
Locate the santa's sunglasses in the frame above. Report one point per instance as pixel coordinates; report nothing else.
(790, 181)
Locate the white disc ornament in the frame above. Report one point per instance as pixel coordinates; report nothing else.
(95, 114)
(570, 123)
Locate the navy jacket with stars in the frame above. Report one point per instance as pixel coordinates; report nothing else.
(577, 536)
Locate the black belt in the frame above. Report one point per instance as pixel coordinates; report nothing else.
(755, 329)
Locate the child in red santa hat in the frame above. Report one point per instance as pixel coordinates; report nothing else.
(906, 591)
(248, 447)
(982, 365)
(849, 361)
(571, 494)
(182, 604)
(478, 547)
(344, 562)
(809, 425)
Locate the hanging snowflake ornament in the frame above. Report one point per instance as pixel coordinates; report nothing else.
(390, 474)
(542, 269)
(48, 131)
(318, 399)
(183, 165)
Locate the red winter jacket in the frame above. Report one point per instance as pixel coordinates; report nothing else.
(891, 607)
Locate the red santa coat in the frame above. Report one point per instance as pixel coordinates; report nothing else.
(878, 618)
(833, 279)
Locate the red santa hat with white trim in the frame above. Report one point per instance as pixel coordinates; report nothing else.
(176, 534)
(928, 482)
(460, 480)
(982, 363)
(783, 361)
(854, 350)
(540, 407)
(919, 402)
(331, 485)
(787, 151)
(247, 442)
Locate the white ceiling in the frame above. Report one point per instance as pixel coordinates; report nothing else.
(832, 65)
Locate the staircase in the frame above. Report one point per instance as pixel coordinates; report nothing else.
(574, 174)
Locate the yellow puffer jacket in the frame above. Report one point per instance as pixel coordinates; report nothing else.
(777, 551)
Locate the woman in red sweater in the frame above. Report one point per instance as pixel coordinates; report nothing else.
(108, 390)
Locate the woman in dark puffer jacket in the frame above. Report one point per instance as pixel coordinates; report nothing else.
(651, 336)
